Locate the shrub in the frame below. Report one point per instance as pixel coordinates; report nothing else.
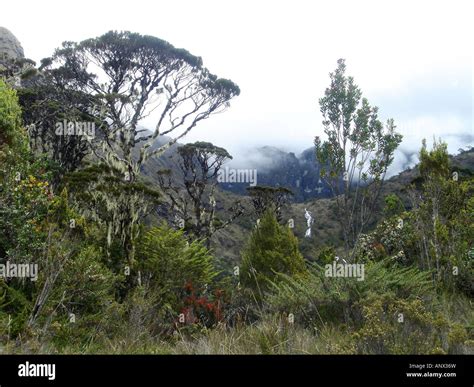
(396, 326)
(171, 268)
(80, 303)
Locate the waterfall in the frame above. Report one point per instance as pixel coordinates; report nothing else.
(309, 222)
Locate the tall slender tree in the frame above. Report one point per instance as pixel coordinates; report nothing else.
(356, 153)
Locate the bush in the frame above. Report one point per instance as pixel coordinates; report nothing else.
(393, 326)
(80, 303)
(175, 273)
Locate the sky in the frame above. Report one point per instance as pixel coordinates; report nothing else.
(413, 59)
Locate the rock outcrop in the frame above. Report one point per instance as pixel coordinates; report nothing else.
(17, 70)
(10, 46)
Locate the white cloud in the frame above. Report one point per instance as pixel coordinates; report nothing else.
(280, 54)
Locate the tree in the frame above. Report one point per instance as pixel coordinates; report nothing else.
(58, 121)
(12, 135)
(393, 205)
(356, 154)
(271, 249)
(102, 195)
(16, 70)
(133, 76)
(191, 195)
(443, 217)
(269, 198)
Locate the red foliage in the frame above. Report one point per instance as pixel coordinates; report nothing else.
(199, 308)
